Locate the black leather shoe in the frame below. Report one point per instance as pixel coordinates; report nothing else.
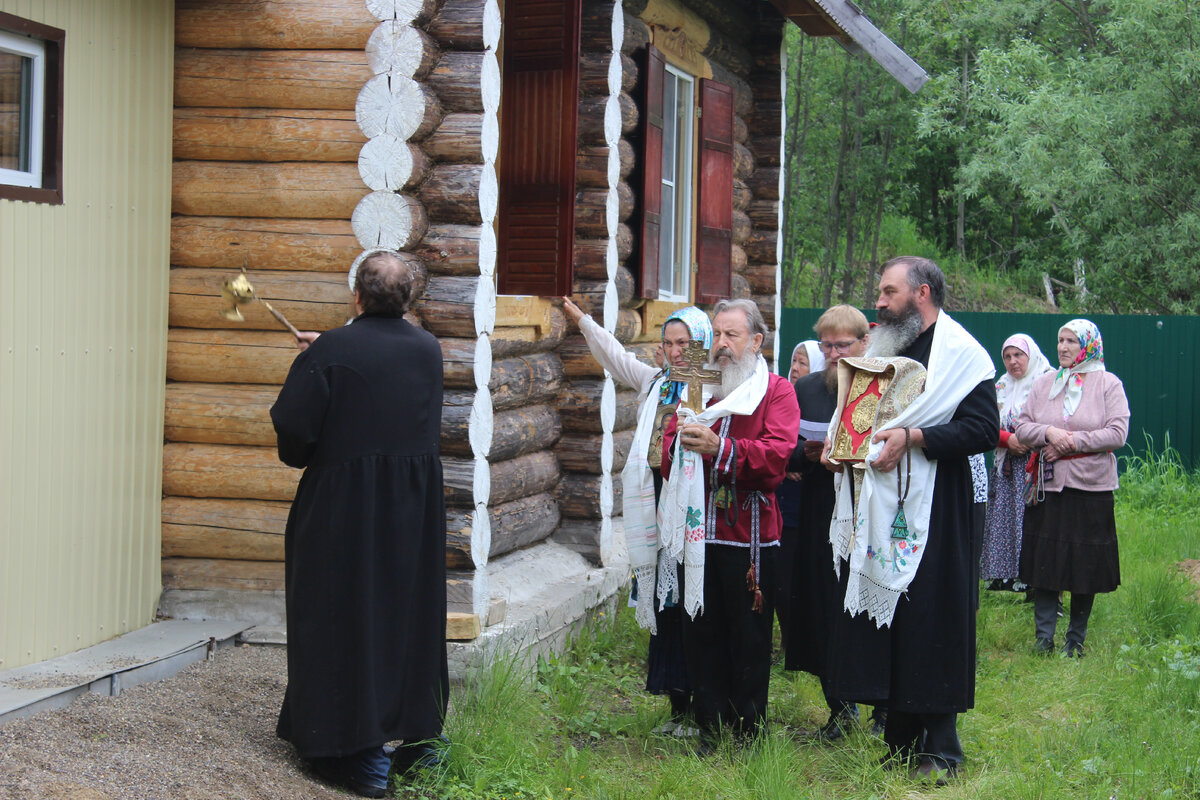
(1073, 650)
(330, 773)
(419, 755)
(1043, 647)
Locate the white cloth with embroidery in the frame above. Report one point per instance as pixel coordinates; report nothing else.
(881, 568)
(637, 505)
(681, 506)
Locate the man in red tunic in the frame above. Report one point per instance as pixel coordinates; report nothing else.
(753, 421)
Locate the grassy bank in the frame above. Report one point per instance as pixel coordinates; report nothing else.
(1124, 722)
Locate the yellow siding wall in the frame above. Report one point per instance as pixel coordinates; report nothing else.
(83, 324)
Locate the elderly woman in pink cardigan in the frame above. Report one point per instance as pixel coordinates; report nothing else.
(1076, 417)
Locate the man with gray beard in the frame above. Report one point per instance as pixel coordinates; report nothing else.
(744, 454)
(914, 647)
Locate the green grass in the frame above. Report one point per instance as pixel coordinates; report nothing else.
(1124, 722)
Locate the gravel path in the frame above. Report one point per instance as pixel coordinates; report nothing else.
(208, 732)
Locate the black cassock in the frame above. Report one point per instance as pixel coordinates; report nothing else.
(814, 592)
(366, 539)
(925, 661)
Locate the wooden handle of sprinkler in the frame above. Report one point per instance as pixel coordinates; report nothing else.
(281, 318)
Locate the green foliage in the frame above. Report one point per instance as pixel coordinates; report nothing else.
(1122, 722)
(1051, 137)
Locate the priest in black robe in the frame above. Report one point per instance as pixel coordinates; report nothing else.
(814, 599)
(366, 537)
(922, 665)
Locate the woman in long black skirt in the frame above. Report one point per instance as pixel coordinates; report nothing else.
(1076, 417)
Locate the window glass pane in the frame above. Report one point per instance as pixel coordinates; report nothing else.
(15, 79)
(666, 241)
(670, 130)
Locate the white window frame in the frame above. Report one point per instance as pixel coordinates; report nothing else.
(675, 244)
(34, 49)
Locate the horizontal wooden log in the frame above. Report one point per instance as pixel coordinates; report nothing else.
(761, 277)
(742, 196)
(233, 471)
(450, 249)
(220, 413)
(765, 118)
(389, 220)
(315, 79)
(739, 287)
(743, 96)
(523, 381)
(312, 301)
(514, 432)
(457, 140)
(597, 30)
(760, 247)
(247, 530)
(741, 132)
(406, 12)
(579, 407)
(511, 479)
(291, 189)
(387, 164)
(764, 213)
(451, 193)
(593, 73)
(215, 356)
(514, 525)
(578, 496)
(273, 24)
(737, 258)
(209, 573)
(766, 304)
(765, 183)
(589, 295)
(261, 134)
(458, 25)
(766, 150)
(591, 215)
(313, 245)
(455, 80)
(591, 118)
(591, 165)
(743, 162)
(629, 326)
(590, 254)
(582, 536)
(580, 452)
(742, 228)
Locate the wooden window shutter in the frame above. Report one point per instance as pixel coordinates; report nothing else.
(540, 93)
(652, 156)
(714, 203)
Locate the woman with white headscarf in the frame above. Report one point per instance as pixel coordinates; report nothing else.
(806, 357)
(1075, 417)
(1023, 362)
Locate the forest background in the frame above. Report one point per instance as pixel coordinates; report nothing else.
(1054, 147)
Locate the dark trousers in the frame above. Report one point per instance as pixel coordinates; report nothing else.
(933, 735)
(1045, 615)
(728, 646)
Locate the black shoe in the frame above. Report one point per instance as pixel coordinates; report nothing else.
(878, 723)
(1043, 647)
(1073, 650)
(837, 727)
(331, 773)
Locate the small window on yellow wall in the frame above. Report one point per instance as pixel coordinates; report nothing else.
(30, 110)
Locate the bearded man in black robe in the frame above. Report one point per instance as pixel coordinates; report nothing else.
(365, 541)
(922, 663)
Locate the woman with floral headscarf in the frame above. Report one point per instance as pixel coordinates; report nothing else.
(641, 482)
(1075, 417)
(1023, 362)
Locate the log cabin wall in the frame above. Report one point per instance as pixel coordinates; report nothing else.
(265, 145)
(740, 48)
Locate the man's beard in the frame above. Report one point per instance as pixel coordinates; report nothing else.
(831, 381)
(735, 373)
(895, 331)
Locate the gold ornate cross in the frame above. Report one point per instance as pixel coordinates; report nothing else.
(695, 375)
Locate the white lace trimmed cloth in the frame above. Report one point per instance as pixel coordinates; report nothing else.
(881, 568)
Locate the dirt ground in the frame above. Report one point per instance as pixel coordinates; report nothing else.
(208, 732)
(1191, 568)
